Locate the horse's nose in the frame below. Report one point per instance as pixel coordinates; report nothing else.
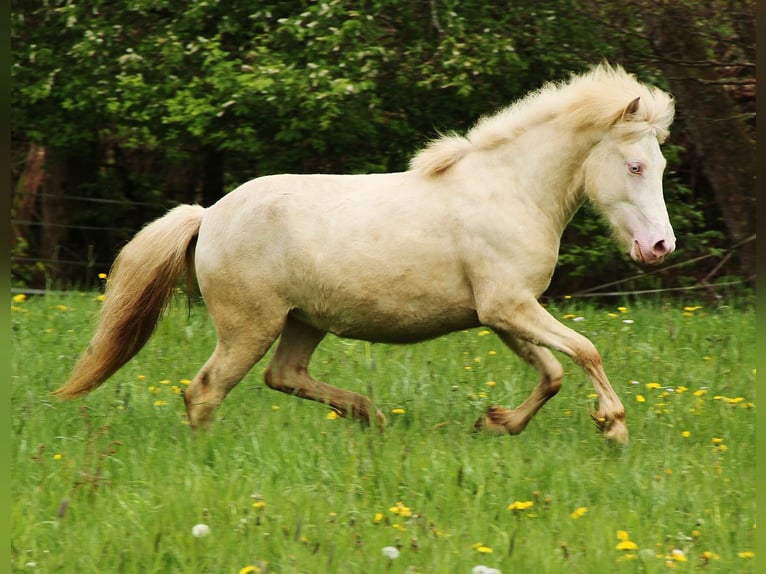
(663, 247)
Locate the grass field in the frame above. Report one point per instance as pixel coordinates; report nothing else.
(116, 482)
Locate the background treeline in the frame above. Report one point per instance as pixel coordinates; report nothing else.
(120, 110)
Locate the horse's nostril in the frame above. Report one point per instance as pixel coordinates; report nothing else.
(660, 248)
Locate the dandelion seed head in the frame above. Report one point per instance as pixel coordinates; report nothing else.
(391, 552)
(200, 530)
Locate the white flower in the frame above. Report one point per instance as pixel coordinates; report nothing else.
(391, 552)
(200, 530)
(481, 569)
(628, 321)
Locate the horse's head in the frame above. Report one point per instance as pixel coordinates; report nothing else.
(623, 178)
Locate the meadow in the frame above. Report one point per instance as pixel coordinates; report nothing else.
(116, 482)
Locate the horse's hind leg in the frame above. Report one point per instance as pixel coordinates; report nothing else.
(288, 373)
(550, 369)
(240, 345)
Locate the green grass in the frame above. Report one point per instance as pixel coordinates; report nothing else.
(116, 481)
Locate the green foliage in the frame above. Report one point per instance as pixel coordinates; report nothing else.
(115, 482)
(299, 86)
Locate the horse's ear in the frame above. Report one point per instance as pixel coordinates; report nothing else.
(630, 109)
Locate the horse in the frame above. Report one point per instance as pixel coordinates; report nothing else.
(467, 236)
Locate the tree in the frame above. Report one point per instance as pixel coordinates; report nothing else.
(170, 105)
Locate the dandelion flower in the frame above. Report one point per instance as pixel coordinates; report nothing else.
(401, 510)
(398, 411)
(102, 275)
(579, 512)
(678, 555)
(250, 570)
(626, 545)
(58, 456)
(686, 434)
(200, 530)
(20, 298)
(521, 505)
(391, 552)
(482, 548)
(332, 415)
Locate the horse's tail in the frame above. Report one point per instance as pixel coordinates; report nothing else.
(139, 287)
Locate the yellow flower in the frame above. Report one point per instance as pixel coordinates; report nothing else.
(154, 390)
(401, 510)
(176, 389)
(640, 398)
(274, 407)
(160, 403)
(100, 298)
(378, 517)
(259, 504)
(747, 554)
(519, 505)
(686, 434)
(332, 415)
(678, 555)
(626, 545)
(653, 386)
(102, 275)
(58, 456)
(490, 383)
(20, 298)
(482, 548)
(185, 382)
(579, 512)
(692, 309)
(484, 332)
(622, 309)
(398, 411)
(250, 570)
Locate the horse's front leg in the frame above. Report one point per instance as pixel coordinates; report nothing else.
(529, 322)
(551, 372)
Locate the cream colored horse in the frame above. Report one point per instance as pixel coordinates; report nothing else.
(468, 236)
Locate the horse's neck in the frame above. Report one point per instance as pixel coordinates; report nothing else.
(546, 168)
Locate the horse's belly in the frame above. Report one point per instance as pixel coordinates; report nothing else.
(404, 325)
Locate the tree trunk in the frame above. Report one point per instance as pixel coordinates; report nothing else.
(718, 129)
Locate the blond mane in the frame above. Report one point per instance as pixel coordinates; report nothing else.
(595, 100)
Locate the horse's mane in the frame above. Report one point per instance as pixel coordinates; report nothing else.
(595, 100)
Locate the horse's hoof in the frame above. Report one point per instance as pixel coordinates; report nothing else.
(614, 429)
(495, 420)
